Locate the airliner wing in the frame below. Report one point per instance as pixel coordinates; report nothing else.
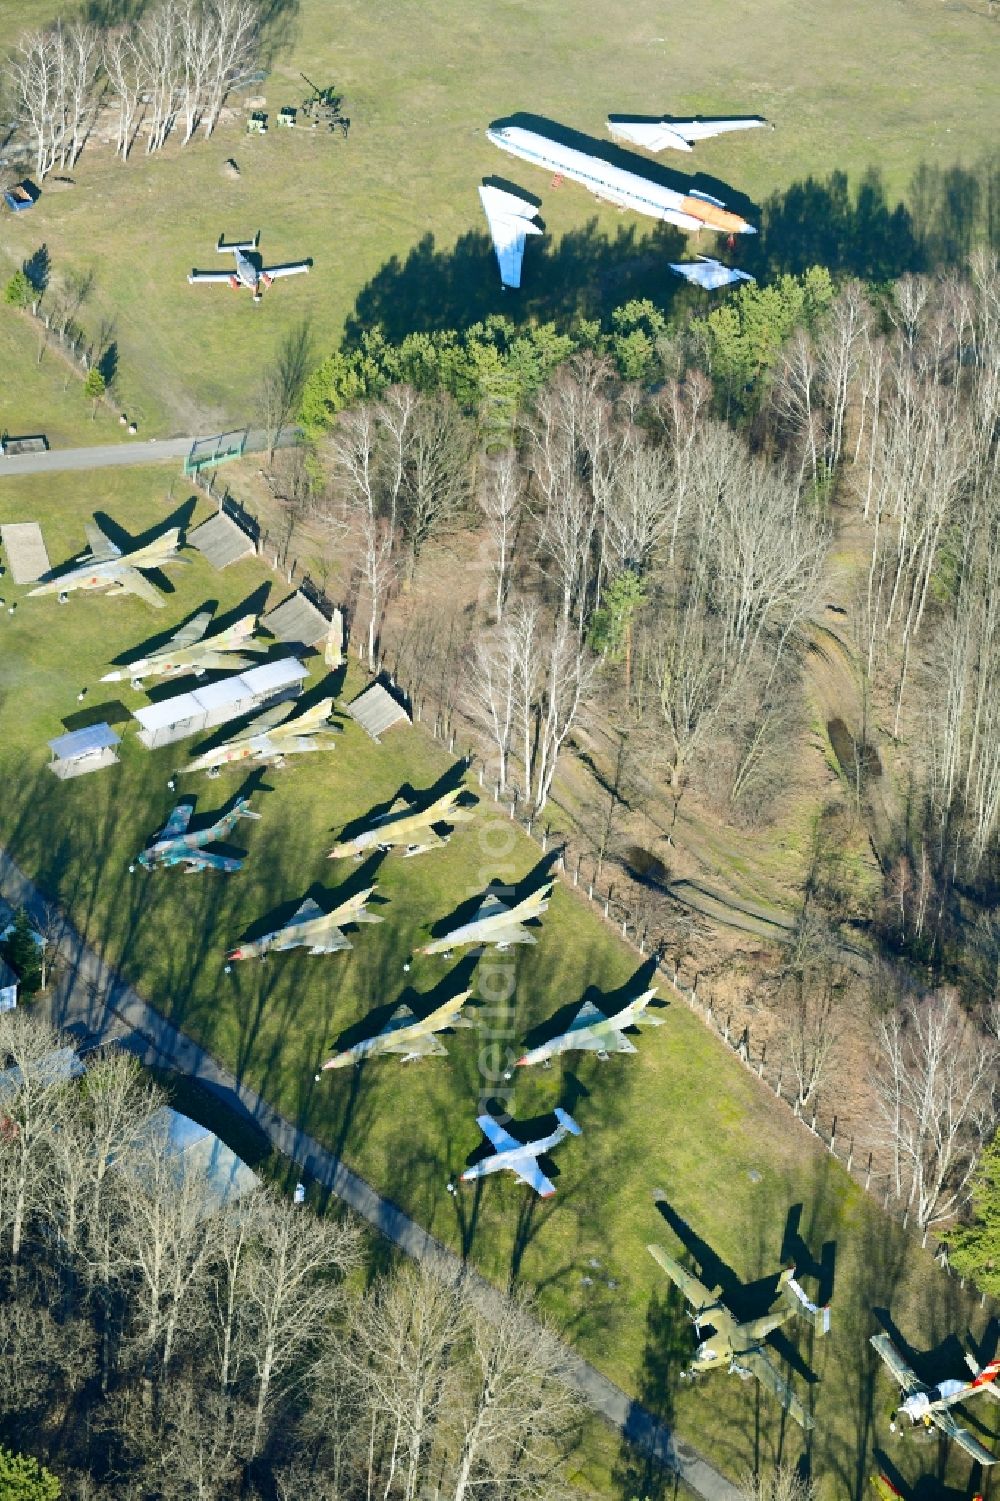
(210, 276)
(133, 582)
(708, 273)
(510, 219)
(293, 268)
(531, 1174)
(654, 135)
(702, 130)
(102, 549)
(963, 1437)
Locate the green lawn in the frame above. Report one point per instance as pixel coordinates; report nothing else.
(46, 396)
(391, 217)
(683, 1115)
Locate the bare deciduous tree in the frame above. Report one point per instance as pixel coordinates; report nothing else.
(501, 497)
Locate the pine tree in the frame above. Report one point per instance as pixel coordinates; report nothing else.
(974, 1249)
(23, 955)
(22, 1478)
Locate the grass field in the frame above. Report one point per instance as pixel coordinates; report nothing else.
(47, 395)
(391, 216)
(683, 1115)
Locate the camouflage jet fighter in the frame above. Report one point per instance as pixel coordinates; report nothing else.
(271, 738)
(591, 1031)
(187, 651)
(496, 923)
(104, 567)
(311, 928)
(518, 1156)
(403, 827)
(175, 846)
(740, 1347)
(407, 1035)
(931, 1404)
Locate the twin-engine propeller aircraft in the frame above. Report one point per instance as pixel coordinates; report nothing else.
(591, 1031)
(105, 568)
(740, 1346)
(311, 928)
(681, 135)
(247, 271)
(173, 845)
(407, 828)
(408, 1035)
(496, 923)
(518, 1156)
(189, 651)
(932, 1404)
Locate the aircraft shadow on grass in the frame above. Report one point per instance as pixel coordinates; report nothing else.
(850, 225)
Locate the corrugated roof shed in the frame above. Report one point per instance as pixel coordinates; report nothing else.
(377, 711)
(297, 619)
(221, 541)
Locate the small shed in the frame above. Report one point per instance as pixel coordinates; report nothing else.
(377, 711)
(213, 704)
(297, 620)
(8, 987)
(221, 540)
(89, 749)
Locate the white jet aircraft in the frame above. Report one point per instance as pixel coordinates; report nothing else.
(519, 1156)
(708, 273)
(246, 272)
(657, 135)
(510, 219)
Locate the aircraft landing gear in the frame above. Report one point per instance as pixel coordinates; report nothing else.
(62, 598)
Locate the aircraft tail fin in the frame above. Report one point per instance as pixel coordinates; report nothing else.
(984, 1376)
(243, 809)
(567, 1122)
(801, 1304)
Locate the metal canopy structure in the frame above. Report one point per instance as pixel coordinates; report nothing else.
(187, 714)
(221, 541)
(198, 1150)
(377, 711)
(84, 750)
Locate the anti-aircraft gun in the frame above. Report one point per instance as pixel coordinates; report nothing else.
(323, 107)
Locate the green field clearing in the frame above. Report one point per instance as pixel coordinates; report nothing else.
(391, 217)
(46, 396)
(683, 1115)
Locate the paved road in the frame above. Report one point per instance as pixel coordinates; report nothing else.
(108, 455)
(90, 998)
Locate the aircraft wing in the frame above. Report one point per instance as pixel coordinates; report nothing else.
(708, 273)
(696, 1293)
(963, 1437)
(331, 943)
(178, 821)
(510, 219)
(210, 276)
(102, 549)
(215, 862)
(495, 1133)
(307, 911)
(189, 634)
(654, 135)
(294, 268)
(531, 1173)
(768, 1376)
(702, 130)
(907, 1379)
(420, 1045)
(515, 933)
(132, 581)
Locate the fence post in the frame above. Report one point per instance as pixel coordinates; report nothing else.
(607, 906)
(868, 1172)
(624, 927)
(850, 1155)
(576, 873)
(833, 1137)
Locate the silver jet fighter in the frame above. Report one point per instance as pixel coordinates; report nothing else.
(189, 651)
(311, 928)
(175, 846)
(591, 1031)
(271, 738)
(932, 1404)
(407, 1035)
(105, 568)
(246, 272)
(520, 1157)
(495, 923)
(407, 828)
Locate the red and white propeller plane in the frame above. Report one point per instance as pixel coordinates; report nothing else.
(248, 272)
